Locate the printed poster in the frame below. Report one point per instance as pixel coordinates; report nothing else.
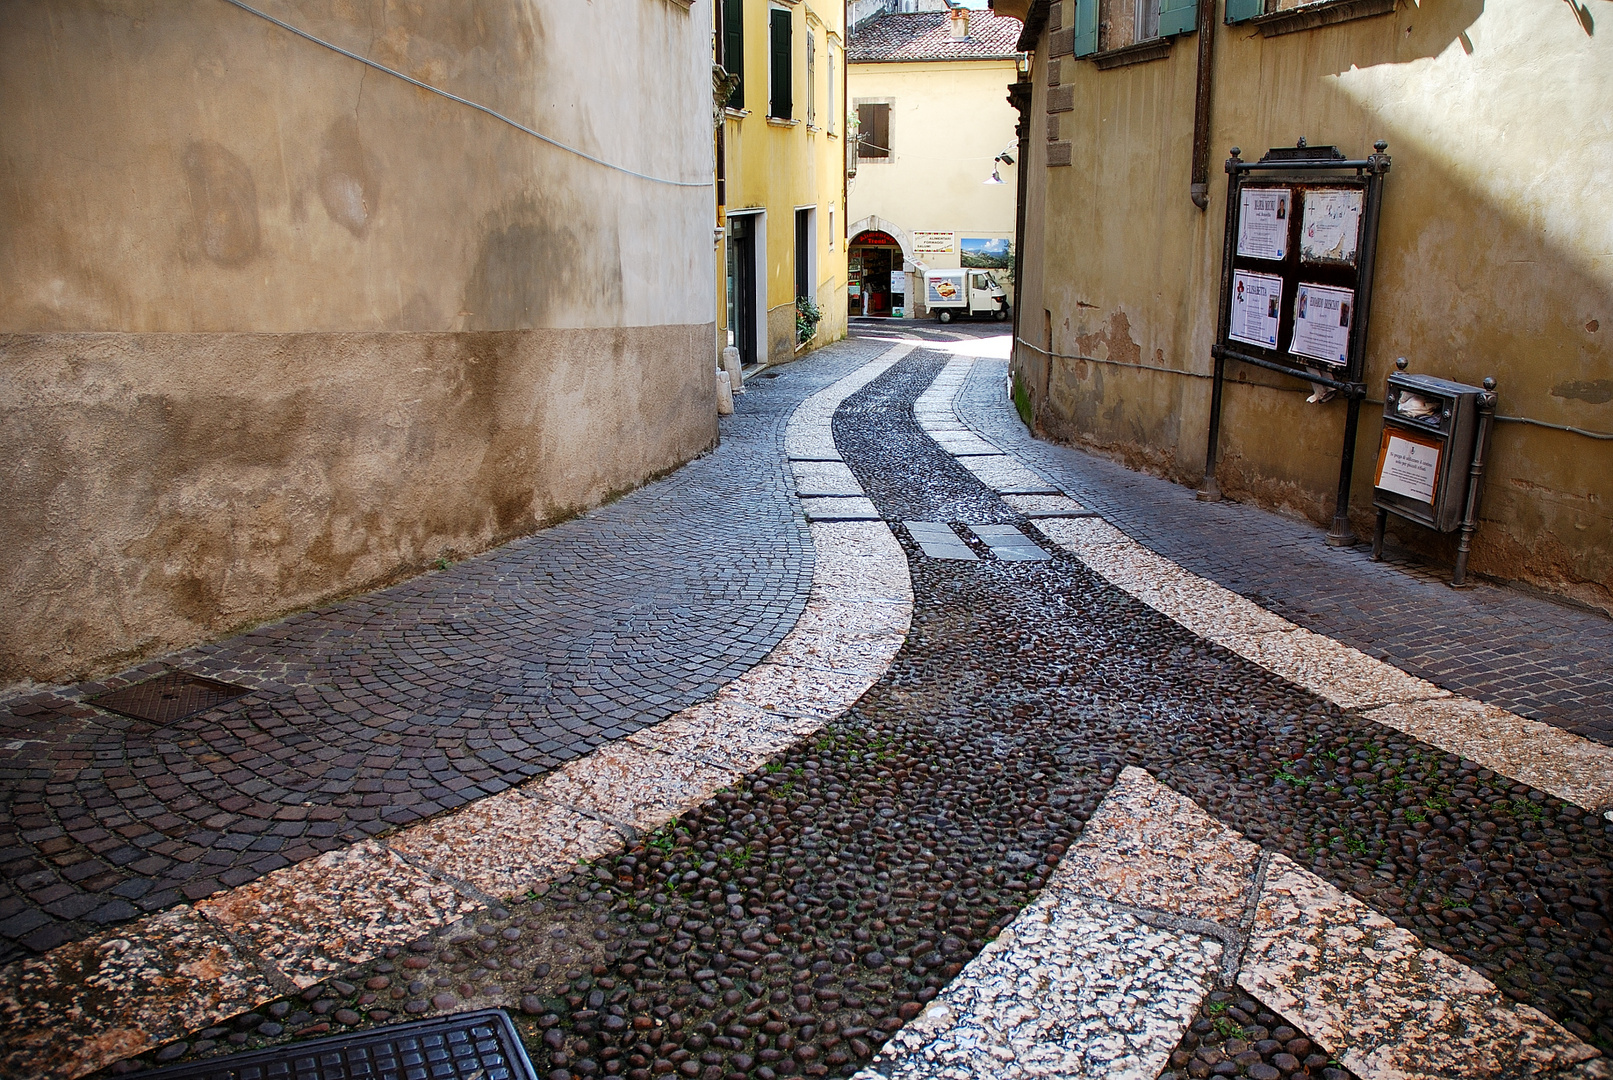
(1408, 466)
(1322, 317)
(934, 243)
(898, 281)
(1331, 227)
(1263, 223)
(1256, 307)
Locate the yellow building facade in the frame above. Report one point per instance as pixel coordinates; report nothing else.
(781, 164)
(936, 162)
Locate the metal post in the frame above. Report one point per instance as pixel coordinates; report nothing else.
(1209, 487)
(1475, 478)
(1341, 535)
(1377, 535)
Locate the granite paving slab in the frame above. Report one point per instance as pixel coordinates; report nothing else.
(1381, 1001)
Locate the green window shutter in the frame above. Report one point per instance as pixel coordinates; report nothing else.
(1243, 10)
(1086, 27)
(781, 104)
(1178, 16)
(733, 47)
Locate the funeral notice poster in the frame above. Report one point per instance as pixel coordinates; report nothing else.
(1408, 467)
(1322, 317)
(1263, 223)
(1331, 227)
(1256, 307)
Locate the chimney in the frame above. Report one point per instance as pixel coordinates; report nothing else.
(960, 22)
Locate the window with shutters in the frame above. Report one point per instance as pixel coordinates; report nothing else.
(1106, 26)
(780, 102)
(1274, 17)
(830, 118)
(873, 131)
(731, 40)
(812, 77)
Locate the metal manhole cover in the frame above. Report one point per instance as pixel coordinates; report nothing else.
(471, 1046)
(169, 697)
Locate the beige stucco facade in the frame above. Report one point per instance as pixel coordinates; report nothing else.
(949, 120)
(1495, 258)
(276, 326)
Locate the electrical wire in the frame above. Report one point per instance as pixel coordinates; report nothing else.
(1603, 435)
(367, 62)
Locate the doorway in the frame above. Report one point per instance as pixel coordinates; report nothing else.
(875, 265)
(742, 287)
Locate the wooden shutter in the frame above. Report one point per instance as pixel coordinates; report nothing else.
(1243, 10)
(1178, 16)
(782, 104)
(1086, 27)
(733, 48)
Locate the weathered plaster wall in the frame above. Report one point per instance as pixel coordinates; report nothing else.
(1496, 258)
(279, 326)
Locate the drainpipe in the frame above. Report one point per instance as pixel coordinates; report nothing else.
(1199, 191)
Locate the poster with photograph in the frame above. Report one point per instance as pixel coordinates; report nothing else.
(1408, 466)
(1263, 223)
(1331, 227)
(1322, 317)
(984, 254)
(1256, 305)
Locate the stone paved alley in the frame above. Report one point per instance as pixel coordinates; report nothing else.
(882, 738)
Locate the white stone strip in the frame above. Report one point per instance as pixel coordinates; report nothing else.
(1569, 766)
(89, 1003)
(936, 414)
(1100, 976)
(809, 436)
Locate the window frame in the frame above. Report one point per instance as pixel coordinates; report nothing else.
(780, 64)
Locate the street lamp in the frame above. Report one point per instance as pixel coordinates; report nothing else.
(1004, 158)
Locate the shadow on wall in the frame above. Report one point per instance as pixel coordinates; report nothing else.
(1491, 262)
(539, 264)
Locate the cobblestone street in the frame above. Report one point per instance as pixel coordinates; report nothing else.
(884, 739)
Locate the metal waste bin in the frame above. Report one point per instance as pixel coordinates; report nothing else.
(1431, 457)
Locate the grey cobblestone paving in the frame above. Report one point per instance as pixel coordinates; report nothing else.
(1542, 660)
(793, 922)
(389, 707)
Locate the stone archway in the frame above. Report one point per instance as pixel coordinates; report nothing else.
(875, 223)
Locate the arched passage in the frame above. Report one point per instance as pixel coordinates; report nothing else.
(878, 254)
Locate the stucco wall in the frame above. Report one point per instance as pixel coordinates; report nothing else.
(1496, 258)
(279, 326)
(949, 121)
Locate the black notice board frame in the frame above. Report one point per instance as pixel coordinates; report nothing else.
(1301, 169)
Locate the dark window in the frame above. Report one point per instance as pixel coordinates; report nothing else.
(781, 104)
(732, 39)
(803, 253)
(873, 131)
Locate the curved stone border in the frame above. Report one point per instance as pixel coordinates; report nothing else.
(1568, 766)
(89, 1003)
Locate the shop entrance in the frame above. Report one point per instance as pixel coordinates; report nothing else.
(877, 284)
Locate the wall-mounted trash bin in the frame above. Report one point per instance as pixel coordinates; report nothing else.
(1431, 457)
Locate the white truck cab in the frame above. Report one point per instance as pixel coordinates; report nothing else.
(964, 293)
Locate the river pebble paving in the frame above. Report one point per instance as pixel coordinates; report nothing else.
(793, 924)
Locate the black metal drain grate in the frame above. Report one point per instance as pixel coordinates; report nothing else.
(169, 697)
(471, 1046)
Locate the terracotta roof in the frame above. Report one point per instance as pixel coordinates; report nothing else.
(927, 35)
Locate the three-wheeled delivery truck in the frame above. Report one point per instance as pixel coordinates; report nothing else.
(961, 294)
